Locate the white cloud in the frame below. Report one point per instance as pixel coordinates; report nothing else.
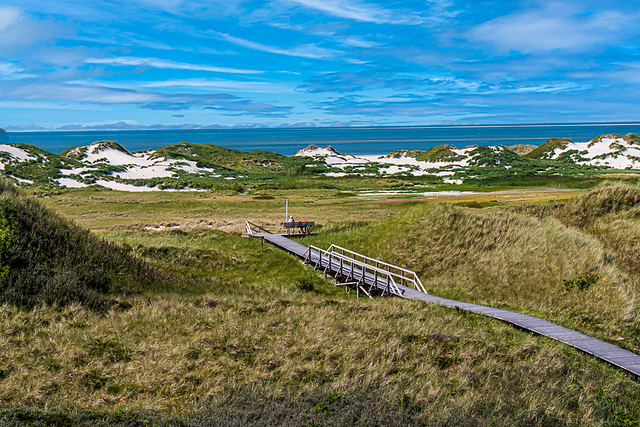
(160, 63)
(368, 13)
(11, 71)
(220, 84)
(304, 51)
(9, 16)
(358, 42)
(18, 30)
(554, 27)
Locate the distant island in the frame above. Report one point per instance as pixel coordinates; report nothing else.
(2, 130)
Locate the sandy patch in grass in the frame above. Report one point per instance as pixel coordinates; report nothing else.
(16, 153)
(70, 183)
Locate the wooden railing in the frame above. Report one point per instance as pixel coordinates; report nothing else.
(362, 270)
(250, 229)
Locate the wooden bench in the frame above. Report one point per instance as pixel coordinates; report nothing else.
(291, 226)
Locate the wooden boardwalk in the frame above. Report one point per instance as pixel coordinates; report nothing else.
(610, 353)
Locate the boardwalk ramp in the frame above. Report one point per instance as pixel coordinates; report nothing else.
(370, 276)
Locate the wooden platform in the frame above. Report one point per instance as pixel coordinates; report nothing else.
(610, 353)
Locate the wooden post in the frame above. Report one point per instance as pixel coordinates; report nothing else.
(262, 242)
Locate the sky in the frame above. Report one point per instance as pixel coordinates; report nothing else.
(173, 64)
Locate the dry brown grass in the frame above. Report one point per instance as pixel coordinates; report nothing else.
(510, 261)
(173, 354)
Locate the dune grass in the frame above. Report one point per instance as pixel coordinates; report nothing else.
(174, 356)
(250, 336)
(510, 261)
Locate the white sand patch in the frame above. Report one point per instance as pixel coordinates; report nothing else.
(335, 174)
(393, 169)
(444, 173)
(403, 163)
(611, 152)
(162, 227)
(17, 153)
(70, 183)
(124, 187)
(345, 160)
(393, 165)
(313, 151)
(144, 172)
(116, 157)
(425, 193)
(76, 171)
(22, 180)
(452, 181)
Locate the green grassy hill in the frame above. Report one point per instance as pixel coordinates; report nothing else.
(213, 156)
(441, 153)
(45, 259)
(545, 150)
(521, 149)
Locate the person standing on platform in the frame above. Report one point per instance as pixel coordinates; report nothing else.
(292, 225)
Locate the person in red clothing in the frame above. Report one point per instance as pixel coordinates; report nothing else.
(304, 226)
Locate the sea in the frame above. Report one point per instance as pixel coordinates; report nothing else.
(351, 140)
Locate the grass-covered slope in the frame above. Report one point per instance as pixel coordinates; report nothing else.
(49, 260)
(535, 265)
(545, 150)
(441, 153)
(521, 149)
(213, 156)
(610, 213)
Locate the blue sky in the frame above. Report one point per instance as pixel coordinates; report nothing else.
(122, 64)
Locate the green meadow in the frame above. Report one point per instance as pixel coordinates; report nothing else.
(227, 331)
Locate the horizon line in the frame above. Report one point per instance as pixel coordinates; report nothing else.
(235, 127)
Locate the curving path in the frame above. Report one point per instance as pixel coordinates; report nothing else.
(610, 353)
